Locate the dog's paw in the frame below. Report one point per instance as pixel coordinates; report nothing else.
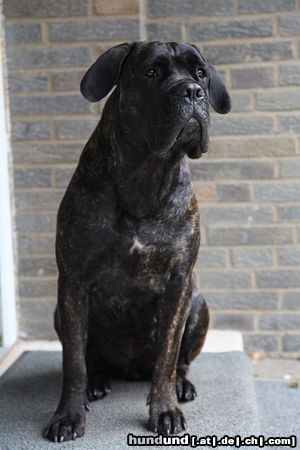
(168, 422)
(185, 390)
(64, 427)
(97, 389)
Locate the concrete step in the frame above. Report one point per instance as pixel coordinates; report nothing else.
(30, 389)
(279, 409)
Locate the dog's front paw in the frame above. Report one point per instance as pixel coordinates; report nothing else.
(185, 390)
(65, 426)
(167, 422)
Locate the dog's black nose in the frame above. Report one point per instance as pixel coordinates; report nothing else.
(192, 91)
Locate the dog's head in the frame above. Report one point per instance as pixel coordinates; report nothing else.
(166, 86)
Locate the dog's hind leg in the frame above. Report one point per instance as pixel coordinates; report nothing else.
(191, 344)
(98, 385)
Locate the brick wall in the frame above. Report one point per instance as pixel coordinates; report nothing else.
(248, 185)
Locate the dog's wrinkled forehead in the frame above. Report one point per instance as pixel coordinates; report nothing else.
(164, 53)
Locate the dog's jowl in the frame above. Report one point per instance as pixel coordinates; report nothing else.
(128, 234)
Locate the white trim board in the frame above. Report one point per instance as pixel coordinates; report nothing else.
(20, 347)
(217, 341)
(7, 275)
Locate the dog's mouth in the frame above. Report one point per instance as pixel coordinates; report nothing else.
(191, 131)
(195, 135)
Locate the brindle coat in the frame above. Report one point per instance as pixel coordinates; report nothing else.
(128, 234)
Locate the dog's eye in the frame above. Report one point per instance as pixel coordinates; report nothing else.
(201, 73)
(151, 73)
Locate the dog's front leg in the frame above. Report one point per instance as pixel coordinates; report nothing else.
(173, 309)
(68, 421)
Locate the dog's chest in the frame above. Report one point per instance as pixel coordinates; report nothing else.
(138, 256)
(140, 261)
(132, 276)
(144, 258)
(132, 279)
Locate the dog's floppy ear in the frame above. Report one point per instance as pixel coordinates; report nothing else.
(218, 95)
(104, 73)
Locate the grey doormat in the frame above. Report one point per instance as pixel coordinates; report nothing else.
(30, 389)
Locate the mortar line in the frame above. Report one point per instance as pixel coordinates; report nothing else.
(142, 20)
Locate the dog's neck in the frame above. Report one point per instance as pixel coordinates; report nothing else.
(143, 179)
(146, 187)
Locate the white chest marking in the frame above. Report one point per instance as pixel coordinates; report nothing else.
(137, 245)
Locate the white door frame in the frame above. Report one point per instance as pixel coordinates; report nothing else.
(7, 267)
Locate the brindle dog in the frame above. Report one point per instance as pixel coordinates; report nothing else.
(128, 234)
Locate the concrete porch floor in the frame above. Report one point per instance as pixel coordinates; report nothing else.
(229, 400)
(30, 390)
